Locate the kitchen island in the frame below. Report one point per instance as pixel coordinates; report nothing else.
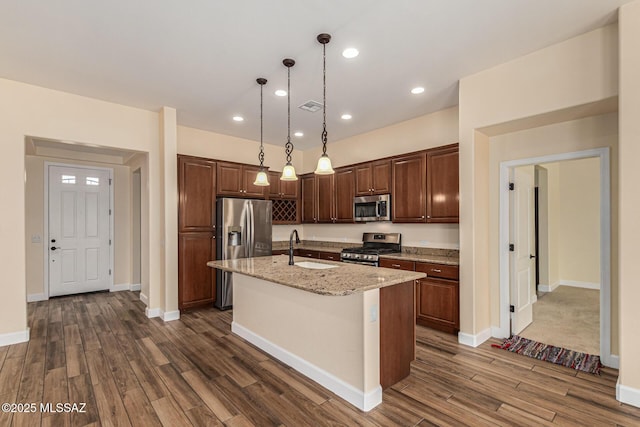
(350, 328)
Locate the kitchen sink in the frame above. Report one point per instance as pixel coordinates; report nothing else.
(314, 265)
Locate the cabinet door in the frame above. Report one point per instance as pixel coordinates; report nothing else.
(344, 185)
(442, 185)
(409, 188)
(308, 198)
(249, 174)
(229, 179)
(274, 184)
(325, 198)
(196, 281)
(381, 177)
(290, 189)
(364, 185)
(331, 256)
(437, 302)
(197, 194)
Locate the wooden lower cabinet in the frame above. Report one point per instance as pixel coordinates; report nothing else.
(438, 298)
(331, 256)
(306, 253)
(196, 281)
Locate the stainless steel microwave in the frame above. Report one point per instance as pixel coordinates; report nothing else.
(372, 208)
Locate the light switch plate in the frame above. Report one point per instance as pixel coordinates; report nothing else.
(35, 238)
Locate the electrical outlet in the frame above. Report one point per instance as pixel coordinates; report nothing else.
(373, 313)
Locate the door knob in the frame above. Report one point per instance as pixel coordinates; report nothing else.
(53, 248)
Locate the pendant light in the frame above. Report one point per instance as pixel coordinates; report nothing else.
(261, 179)
(324, 162)
(288, 172)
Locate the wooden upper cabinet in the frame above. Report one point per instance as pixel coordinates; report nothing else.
(344, 193)
(325, 204)
(443, 184)
(235, 179)
(373, 178)
(282, 189)
(308, 184)
(197, 190)
(409, 188)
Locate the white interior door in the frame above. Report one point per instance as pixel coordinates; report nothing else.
(522, 236)
(79, 230)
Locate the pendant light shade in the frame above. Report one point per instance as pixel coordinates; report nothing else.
(288, 172)
(324, 162)
(261, 178)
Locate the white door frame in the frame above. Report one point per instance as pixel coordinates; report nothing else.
(45, 237)
(605, 243)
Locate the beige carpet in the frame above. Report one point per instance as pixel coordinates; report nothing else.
(567, 317)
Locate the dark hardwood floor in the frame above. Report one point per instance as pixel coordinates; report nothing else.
(101, 350)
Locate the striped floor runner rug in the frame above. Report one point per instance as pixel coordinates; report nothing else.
(558, 355)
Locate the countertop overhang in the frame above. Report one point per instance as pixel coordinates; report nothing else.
(345, 279)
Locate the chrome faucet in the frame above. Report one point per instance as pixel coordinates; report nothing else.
(291, 245)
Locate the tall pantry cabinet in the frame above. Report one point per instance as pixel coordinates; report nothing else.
(196, 231)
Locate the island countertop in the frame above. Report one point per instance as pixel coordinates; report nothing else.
(345, 279)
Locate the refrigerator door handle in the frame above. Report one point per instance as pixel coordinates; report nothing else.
(252, 230)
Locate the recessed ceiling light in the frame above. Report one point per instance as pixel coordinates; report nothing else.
(281, 92)
(350, 52)
(346, 117)
(417, 90)
(238, 118)
(299, 134)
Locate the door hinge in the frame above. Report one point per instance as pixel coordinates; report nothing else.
(512, 186)
(109, 242)
(109, 211)
(512, 309)
(109, 181)
(512, 247)
(110, 275)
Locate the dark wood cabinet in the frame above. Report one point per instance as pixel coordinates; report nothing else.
(279, 189)
(309, 198)
(438, 297)
(196, 189)
(397, 264)
(443, 184)
(196, 281)
(325, 204)
(373, 178)
(331, 256)
(308, 253)
(236, 179)
(409, 188)
(344, 194)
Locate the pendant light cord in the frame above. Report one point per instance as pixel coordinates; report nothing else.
(324, 96)
(261, 155)
(288, 145)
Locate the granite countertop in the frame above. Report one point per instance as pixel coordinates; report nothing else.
(345, 279)
(436, 259)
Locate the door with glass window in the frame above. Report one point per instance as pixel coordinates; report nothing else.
(79, 230)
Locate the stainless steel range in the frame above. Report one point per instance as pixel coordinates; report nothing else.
(374, 245)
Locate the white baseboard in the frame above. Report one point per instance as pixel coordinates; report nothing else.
(153, 312)
(358, 398)
(534, 299)
(144, 299)
(548, 288)
(613, 361)
(628, 395)
(168, 316)
(134, 287)
(576, 284)
(120, 287)
(496, 332)
(37, 297)
(474, 340)
(14, 337)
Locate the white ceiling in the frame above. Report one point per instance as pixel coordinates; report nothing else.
(202, 56)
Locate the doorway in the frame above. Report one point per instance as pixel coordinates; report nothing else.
(136, 226)
(524, 295)
(78, 229)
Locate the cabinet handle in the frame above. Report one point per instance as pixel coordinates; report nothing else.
(428, 216)
(436, 270)
(422, 217)
(395, 265)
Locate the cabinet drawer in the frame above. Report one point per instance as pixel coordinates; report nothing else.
(306, 253)
(397, 264)
(438, 270)
(280, 252)
(332, 256)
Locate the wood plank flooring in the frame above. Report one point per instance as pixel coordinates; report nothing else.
(101, 350)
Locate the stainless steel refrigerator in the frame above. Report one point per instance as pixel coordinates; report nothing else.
(243, 230)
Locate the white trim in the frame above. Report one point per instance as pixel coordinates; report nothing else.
(168, 316)
(548, 288)
(359, 399)
(125, 287)
(144, 298)
(614, 361)
(628, 395)
(577, 284)
(37, 297)
(45, 236)
(153, 312)
(605, 240)
(14, 337)
(135, 287)
(475, 340)
(496, 332)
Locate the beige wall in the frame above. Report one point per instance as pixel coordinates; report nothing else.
(35, 111)
(140, 161)
(34, 211)
(629, 266)
(579, 71)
